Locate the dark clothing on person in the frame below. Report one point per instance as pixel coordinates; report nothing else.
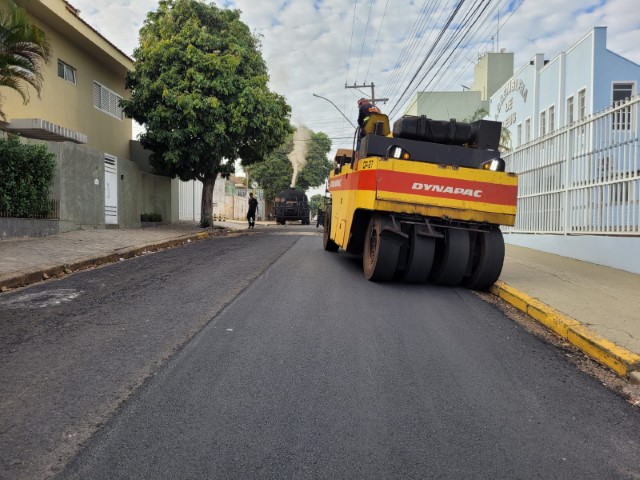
(251, 214)
(365, 109)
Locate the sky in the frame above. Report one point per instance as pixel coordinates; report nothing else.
(401, 46)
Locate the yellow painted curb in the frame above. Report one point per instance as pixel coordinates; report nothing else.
(619, 359)
(202, 235)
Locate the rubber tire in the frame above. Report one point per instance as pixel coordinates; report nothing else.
(380, 255)
(452, 258)
(487, 257)
(420, 257)
(328, 244)
(281, 221)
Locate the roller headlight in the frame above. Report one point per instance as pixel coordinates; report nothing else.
(494, 165)
(395, 151)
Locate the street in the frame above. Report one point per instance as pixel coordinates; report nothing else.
(264, 356)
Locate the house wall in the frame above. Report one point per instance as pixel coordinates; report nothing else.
(78, 186)
(66, 104)
(447, 105)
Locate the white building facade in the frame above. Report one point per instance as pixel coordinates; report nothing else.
(574, 125)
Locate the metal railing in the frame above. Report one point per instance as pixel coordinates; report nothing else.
(54, 213)
(583, 178)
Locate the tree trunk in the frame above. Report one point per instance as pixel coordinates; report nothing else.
(206, 207)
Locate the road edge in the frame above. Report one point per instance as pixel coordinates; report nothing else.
(25, 278)
(623, 362)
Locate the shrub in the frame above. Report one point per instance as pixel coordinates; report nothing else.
(26, 174)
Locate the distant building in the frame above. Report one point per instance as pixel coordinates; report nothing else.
(490, 73)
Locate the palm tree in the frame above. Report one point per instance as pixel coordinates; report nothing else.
(23, 49)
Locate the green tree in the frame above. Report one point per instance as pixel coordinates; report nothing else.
(274, 174)
(23, 49)
(316, 201)
(199, 86)
(317, 167)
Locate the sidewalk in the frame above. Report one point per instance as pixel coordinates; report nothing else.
(594, 307)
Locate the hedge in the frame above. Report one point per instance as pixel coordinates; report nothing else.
(26, 174)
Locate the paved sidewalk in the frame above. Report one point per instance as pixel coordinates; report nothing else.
(597, 308)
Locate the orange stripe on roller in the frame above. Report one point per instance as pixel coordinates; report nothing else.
(359, 180)
(441, 187)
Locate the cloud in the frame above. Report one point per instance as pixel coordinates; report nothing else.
(318, 46)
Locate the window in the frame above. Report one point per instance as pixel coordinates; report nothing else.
(519, 134)
(543, 124)
(570, 117)
(527, 130)
(67, 72)
(622, 91)
(107, 100)
(582, 104)
(552, 118)
(622, 115)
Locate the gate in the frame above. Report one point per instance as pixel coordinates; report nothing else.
(110, 190)
(190, 198)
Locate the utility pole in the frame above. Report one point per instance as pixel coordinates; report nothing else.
(372, 86)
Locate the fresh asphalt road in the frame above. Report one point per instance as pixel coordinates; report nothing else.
(313, 372)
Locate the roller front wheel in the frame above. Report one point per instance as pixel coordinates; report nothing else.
(380, 257)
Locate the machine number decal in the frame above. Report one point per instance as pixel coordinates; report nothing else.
(367, 164)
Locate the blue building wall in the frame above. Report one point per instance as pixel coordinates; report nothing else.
(586, 66)
(600, 191)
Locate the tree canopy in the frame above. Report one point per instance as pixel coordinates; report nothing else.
(23, 49)
(199, 86)
(316, 201)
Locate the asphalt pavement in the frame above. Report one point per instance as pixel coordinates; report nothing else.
(596, 308)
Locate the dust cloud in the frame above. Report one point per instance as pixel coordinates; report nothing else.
(297, 157)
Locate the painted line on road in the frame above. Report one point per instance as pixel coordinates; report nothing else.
(622, 361)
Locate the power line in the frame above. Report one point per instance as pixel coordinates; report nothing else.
(376, 42)
(353, 22)
(470, 35)
(439, 37)
(364, 39)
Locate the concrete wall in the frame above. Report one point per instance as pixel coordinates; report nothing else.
(614, 252)
(79, 184)
(79, 187)
(490, 73)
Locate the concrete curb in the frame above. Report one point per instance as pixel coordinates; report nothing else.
(622, 361)
(22, 279)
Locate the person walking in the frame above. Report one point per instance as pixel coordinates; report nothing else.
(253, 209)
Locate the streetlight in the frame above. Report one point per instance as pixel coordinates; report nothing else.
(336, 109)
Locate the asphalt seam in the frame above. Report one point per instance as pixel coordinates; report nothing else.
(622, 361)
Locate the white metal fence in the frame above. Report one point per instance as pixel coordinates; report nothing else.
(583, 178)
